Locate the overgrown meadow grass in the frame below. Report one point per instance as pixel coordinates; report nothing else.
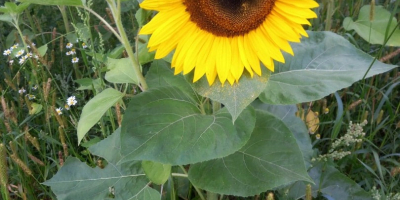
(42, 97)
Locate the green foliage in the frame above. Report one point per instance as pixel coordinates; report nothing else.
(165, 125)
(271, 158)
(377, 28)
(324, 63)
(145, 133)
(95, 108)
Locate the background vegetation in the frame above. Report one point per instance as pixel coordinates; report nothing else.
(35, 140)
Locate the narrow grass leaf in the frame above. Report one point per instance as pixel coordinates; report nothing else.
(55, 2)
(95, 108)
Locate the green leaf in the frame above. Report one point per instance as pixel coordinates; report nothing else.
(271, 158)
(83, 31)
(374, 31)
(165, 125)
(76, 180)
(330, 182)
(235, 97)
(55, 2)
(6, 18)
(42, 50)
(161, 75)
(21, 7)
(158, 173)
(35, 108)
(287, 113)
(95, 108)
(11, 7)
(88, 84)
(121, 71)
(144, 55)
(323, 63)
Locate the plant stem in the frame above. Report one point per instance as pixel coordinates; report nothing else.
(65, 18)
(212, 196)
(216, 106)
(197, 189)
(125, 42)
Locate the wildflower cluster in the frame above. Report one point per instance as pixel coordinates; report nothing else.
(376, 195)
(19, 54)
(71, 101)
(354, 135)
(73, 51)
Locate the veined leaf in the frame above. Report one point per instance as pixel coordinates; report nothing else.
(322, 64)
(120, 71)
(76, 180)
(95, 108)
(158, 173)
(271, 158)
(165, 125)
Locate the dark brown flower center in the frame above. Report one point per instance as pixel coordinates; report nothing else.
(228, 17)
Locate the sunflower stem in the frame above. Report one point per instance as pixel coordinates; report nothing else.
(197, 189)
(124, 39)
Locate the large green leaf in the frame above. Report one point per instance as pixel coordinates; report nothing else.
(271, 158)
(55, 2)
(331, 183)
(322, 64)
(161, 75)
(76, 180)
(235, 97)
(374, 31)
(120, 71)
(165, 125)
(287, 113)
(95, 108)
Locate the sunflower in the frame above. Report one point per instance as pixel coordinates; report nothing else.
(224, 37)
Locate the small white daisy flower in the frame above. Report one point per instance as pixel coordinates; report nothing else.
(73, 52)
(27, 46)
(71, 101)
(75, 60)
(7, 52)
(84, 45)
(68, 53)
(69, 45)
(19, 53)
(36, 57)
(21, 91)
(14, 46)
(21, 60)
(59, 110)
(29, 54)
(66, 106)
(33, 44)
(35, 87)
(11, 62)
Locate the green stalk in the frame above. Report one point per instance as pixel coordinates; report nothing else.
(212, 196)
(329, 14)
(65, 18)
(197, 189)
(117, 16)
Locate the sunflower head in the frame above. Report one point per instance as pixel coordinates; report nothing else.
(225, 37)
